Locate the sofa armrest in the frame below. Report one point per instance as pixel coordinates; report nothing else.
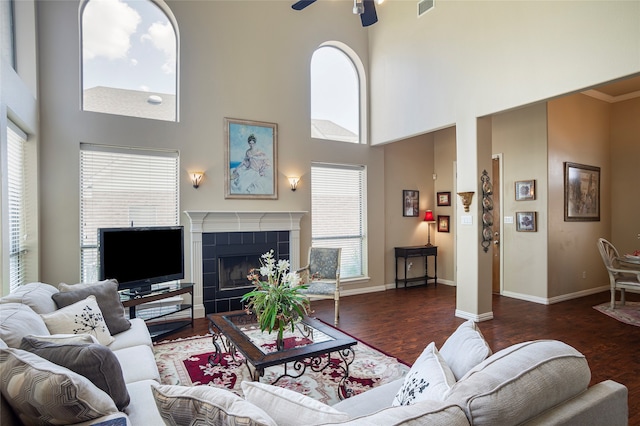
(603, 403)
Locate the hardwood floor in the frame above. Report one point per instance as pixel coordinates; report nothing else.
(401, 322)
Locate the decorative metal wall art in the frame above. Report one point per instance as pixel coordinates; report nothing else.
(487, 214)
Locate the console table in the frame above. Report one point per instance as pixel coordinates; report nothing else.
(417, 251)
(159, 329)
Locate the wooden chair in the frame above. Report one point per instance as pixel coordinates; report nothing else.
(619, 278)
(322, 275)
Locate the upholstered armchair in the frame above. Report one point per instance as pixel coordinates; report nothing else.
(322, 275)
(619, 278)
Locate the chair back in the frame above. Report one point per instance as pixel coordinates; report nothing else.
(608, 252)
(325, 262)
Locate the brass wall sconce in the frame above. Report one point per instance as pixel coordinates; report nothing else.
(196, 177)
(466, 197)
(293, 182)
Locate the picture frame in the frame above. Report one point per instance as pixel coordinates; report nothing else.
(443, 223)
(410, 203)
(581, 192)
(527, 221)
(251, 159)
(525, 190)
(443, 199)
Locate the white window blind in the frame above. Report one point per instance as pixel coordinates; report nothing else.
(338, 213)
(17, 206)
(123, 187)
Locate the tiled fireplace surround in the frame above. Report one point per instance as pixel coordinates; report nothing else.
(236, 232)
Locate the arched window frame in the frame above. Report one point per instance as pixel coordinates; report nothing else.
(363, 133)
(174, 23)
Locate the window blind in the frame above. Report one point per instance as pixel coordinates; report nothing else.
(123, 187)
(17, 206)
(338, 213)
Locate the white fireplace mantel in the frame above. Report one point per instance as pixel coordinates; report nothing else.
(237, 221)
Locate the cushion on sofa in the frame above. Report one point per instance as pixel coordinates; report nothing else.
(520, 382)
(91, 360)
(18, 320)
(465, 349)
(432, 413)
(62, 339)
(137, 335)
(41, 392)
(35, 295)
(429, 378)
(289, 408)
(206, 405)
(143, 368)
(107, 296)
(82, 317)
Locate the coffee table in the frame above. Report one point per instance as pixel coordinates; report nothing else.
(310, 346)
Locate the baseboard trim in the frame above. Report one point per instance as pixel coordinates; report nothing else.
(555, 299)
(474, 317)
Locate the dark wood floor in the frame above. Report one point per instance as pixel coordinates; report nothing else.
(402, 322)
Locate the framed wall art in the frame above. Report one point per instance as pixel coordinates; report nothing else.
(526, 222)
(251, 154)
(410, 203)
(525, 190)
(581, 193)
(443, 223)
(444, 199)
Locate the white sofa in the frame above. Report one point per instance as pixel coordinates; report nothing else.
(534, 383)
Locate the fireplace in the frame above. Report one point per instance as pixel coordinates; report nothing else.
(235, 239)
(227, 258)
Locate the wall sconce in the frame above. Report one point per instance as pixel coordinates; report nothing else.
(466, 199)
(196, 177)
(428, 217)
(293, 181)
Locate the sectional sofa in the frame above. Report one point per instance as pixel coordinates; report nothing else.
(111, 378)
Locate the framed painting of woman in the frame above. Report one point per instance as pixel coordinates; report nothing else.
(251, 156)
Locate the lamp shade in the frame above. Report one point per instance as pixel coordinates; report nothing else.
(428, 216)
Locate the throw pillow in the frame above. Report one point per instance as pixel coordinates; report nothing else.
(465, 349)
(91, 360)
(106, 293)
(206, 405)
(62, 339)
(430, 378)
(83, 317)
(289, 408)
(37, 296)
(18, 320)
(41, 392)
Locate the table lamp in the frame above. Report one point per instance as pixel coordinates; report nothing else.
(428, 217)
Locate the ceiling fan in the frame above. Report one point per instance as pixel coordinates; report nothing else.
(365, 8)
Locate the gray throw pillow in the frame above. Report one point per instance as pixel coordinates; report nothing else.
(107, 296)
(94, 361)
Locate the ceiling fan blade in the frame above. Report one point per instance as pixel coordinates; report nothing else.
(369, 17)
(299, 5)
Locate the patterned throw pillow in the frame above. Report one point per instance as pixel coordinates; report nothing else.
(45, 393)
(206, 405)
(289, 408)
(83, 317)
(91, 360)
(107, 296)
(430, 378)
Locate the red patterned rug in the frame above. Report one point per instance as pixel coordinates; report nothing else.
(628, 314)
(185, 362)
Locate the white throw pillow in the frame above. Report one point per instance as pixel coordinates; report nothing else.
(430, 378)
(289, 408)
(465, 349)
(206, 405)
(63, 339)
(82, 317)
(42, 392)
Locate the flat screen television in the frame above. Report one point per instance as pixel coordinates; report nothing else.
(140, 256)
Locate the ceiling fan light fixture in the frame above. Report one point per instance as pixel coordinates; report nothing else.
(358, 7)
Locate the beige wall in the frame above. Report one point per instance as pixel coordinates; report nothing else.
(444, 168)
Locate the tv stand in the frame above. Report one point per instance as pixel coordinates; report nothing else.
(153, 315)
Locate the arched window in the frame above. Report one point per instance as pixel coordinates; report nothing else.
(337, 94)
(129, 58)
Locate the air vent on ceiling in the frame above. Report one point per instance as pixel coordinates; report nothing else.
(424, 6)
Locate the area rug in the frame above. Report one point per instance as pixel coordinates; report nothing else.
(628, 314)
(185, 362)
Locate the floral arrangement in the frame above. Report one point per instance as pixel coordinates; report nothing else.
(276, 300)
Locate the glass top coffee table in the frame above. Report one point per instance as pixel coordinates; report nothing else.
(309, 346)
